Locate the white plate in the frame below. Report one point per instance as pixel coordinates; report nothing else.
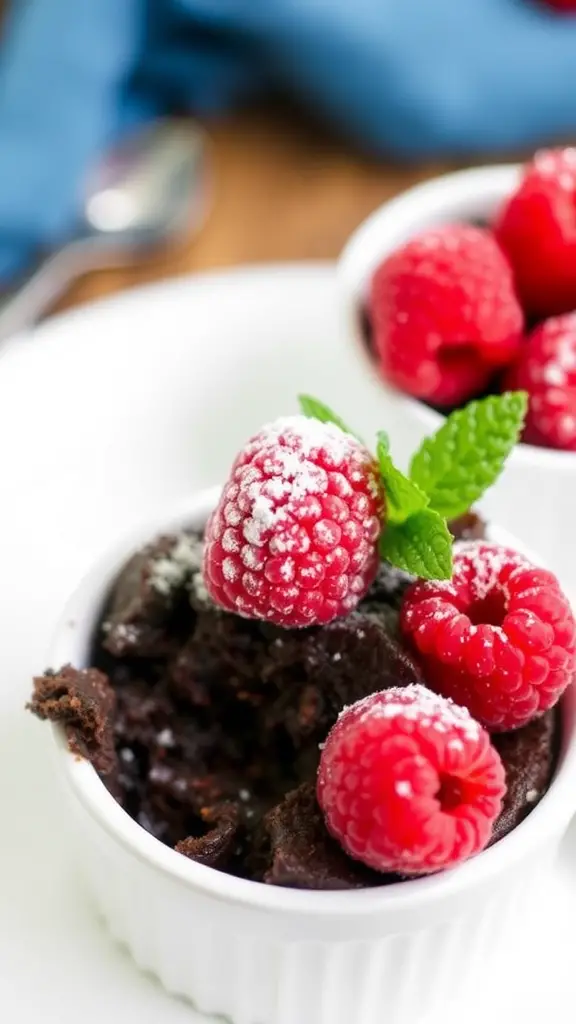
(105, 413)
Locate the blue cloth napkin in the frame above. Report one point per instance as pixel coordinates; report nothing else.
(409, 77)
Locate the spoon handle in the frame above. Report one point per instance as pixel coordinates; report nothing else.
(21, 308)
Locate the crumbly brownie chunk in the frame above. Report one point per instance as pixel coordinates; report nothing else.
(353, 657)
(83, 700)
(221, 845)
(302, 853)
(295, 679)
(529, 757)
(229, 657)
(147, 595)
(470, 526)
(341, 663)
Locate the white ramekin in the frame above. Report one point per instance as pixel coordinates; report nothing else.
(264, 955)
(536, 496)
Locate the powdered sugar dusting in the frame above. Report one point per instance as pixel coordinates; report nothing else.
(170, 571)
(484, 563)
(418, 703)
(124, 633)
(263, 509)
(230, 569)
(198, 589)
(293, 538)
(553, 374)
(403, 788)
(312, 434)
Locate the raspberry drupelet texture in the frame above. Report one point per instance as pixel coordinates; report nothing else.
(294, 537)
(537, 230)
(409, 782)
(444, 314)
(546, 369)
(499, 638)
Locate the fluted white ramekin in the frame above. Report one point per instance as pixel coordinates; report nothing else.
(264, 955)
(536, 496)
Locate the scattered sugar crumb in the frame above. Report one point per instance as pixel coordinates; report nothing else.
(198, 588)
(170, 571)
(122, 632)
(404, 788)
(165, 738)
(554, 375)
(230, 569)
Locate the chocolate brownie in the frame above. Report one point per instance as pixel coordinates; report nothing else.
(207, 726)
(300, 852)
(528, 755)
(147, 594)
(83, 701)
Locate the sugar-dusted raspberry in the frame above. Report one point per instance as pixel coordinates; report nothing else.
(537, 230)
(409, 782)
(444, 314)
(546, 369)
(499, 638)
(294, 537)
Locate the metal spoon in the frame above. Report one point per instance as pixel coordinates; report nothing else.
(146, 192)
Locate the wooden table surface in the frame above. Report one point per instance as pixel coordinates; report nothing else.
(281, 190)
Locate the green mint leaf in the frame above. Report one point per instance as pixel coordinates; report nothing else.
(422, 545)
(383, 441)
(403, 497)
(316, 410)
(466, 455)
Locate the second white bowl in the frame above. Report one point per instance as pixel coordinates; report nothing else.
(536, 496)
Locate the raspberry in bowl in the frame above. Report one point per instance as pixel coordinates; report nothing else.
(439, 288)
(288, 821)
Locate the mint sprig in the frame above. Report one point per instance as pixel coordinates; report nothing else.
(466, 455)
(316, 410)
(448, 473)
(403, 497)
(421, 545)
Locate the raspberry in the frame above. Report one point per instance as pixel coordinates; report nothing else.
(444, 314)
(499, 638)
(546, 369)
(537, 230)
(561, 5)
(294, 537)
(409, 782)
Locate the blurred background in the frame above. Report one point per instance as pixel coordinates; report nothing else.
(315, 111)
